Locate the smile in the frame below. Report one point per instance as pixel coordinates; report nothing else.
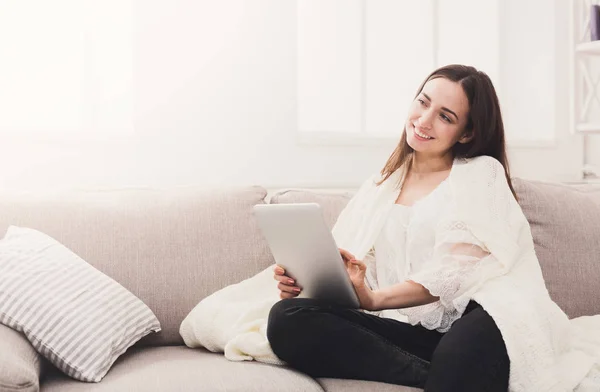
(421, 135)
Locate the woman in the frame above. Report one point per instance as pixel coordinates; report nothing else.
(441, 258)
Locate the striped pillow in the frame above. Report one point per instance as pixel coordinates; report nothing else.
(78, 318)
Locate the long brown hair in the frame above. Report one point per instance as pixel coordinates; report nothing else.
(485, 121)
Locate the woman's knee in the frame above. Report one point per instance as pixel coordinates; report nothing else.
(286, 322)
(278, 314)
(286, 325)
(470, 357)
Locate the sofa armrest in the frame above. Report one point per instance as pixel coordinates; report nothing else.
(20, 364)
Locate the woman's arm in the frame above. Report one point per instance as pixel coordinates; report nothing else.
(402, 295)
(411, 293)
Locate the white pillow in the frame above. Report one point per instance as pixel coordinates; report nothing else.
(74, 315)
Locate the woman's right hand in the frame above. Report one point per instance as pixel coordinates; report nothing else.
(287, 286)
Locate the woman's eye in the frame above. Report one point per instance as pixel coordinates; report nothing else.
(421, 101)
(445, 118)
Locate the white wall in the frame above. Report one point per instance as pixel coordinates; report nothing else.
(214, 93)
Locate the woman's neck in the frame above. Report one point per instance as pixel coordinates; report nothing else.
(426, 164)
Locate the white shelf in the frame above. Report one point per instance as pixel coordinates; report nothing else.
(583, 80)
(588, 127)
(592, 47)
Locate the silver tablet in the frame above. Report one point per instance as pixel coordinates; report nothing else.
(303, 245)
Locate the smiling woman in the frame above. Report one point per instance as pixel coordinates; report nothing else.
(456, 113)
(430, 258)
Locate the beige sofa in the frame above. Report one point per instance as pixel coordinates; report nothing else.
(172, 248)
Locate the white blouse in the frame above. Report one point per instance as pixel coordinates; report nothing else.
(389, 263)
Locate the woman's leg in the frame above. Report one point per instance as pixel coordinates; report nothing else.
(470, 357)
(328, 341)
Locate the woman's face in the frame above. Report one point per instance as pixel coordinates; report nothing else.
(437, 118)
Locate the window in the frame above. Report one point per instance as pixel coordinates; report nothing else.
(360, 62)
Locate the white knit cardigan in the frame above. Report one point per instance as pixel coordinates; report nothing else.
(548, 352)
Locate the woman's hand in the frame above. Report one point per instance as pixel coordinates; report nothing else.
(356, 271)
(286, 285)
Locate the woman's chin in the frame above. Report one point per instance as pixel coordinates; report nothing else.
(414, 144)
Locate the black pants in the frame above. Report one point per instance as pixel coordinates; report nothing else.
(329, 341)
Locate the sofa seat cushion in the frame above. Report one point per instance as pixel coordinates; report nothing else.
(180, 369)
(339, 385)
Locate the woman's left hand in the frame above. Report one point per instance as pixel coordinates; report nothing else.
(356, 271)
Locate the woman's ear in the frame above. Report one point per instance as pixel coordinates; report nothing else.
(467, 137)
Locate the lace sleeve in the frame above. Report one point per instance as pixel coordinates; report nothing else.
(478, 240)
(458, 266)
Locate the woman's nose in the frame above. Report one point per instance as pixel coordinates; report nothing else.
(425, 119)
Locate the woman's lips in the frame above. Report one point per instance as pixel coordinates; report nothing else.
(416, 131)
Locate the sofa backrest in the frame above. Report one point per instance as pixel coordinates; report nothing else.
(171, 248)
(564, 221)
(565, 224)
(331, 203)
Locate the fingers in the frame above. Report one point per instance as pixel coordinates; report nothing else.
(355, 263)
(289, 289)
(353, 266)
(359, 264)
(286, 285)
(284, 279)
(346, 255)
(281, 276)
(284, 295)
